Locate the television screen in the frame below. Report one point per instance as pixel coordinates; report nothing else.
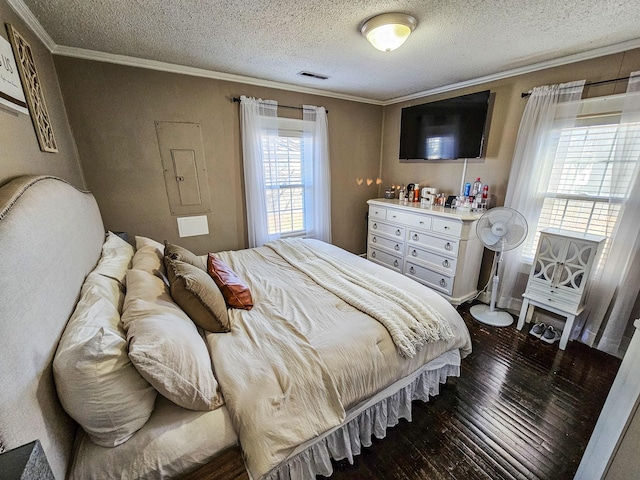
(446, 129)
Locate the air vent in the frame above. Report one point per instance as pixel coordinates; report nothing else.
(318, 76)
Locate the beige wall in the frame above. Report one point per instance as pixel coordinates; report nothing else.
(112, 110)
(19, 150)
(446, 175)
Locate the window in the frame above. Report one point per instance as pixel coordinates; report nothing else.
(287, 174)
(284, 182)
(591, 174)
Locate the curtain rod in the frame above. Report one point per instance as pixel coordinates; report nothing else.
(601, 82)
(237, 100)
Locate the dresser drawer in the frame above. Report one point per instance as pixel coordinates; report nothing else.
(388, 260)
(440, 262)
(377, 212)
(388, 243)
(410, 219)
(437, 281)
(438, 244)
(556, 297)
(447, 227)
(380, 228)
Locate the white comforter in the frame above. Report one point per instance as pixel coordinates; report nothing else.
(291, 366)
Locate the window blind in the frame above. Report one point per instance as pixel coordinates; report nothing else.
(282, 161)
(592, 168)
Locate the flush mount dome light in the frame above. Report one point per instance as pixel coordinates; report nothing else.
(388, 31)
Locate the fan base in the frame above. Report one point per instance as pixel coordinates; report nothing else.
(497, 318)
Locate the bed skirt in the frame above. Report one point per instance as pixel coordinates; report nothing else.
(365, 420)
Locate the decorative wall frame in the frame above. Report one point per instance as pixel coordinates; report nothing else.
(11, 93)
(33, 90)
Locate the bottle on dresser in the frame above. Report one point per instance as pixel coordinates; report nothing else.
(409, 195)
(476, 190)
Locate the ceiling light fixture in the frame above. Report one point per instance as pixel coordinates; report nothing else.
(388, 31)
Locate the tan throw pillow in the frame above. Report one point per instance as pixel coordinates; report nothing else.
(149, 257)
(176, 252)
(198, 295)
(236, 293)
(165, 345)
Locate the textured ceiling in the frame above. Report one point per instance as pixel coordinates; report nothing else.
(455, 40)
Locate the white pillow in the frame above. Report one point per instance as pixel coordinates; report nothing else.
(108, 288)
(149, 257)
(115, 259)
(96, 382)
(165, 346)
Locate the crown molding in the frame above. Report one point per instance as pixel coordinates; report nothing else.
(200, 72)
(32, 22)
(558, 62)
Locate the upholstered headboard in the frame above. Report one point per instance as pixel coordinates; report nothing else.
(50, 238)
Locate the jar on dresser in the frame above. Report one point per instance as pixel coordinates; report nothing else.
(434, 245)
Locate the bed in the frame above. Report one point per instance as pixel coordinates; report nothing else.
(297, 375)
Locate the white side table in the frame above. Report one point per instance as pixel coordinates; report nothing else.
(526, 312)
(559, 277)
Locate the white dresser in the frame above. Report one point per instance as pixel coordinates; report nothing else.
(559, 277)
(435, 246)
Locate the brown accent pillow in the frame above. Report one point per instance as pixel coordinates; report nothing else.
(176, 252)
(197, 294)
(234, 290)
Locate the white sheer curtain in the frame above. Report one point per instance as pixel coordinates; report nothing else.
(617, 284)
(259, 121)
(530, 168)
(317, 174)
(257, 118)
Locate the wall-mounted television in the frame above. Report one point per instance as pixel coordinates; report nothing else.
(446, 129)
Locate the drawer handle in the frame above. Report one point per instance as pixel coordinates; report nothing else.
(415, 237)
(398, 232)
(374, 239)
(448, 246)
(395, 263)
(412, 270)
(414, 253)
(393, 216)
(373, 254)
(445, 263)
(446, 228)
(397, 247)
(375, 225)
(443, 282)
(421, 222)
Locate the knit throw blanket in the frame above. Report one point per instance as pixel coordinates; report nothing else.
(408, 319)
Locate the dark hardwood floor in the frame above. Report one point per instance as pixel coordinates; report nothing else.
(521, 409)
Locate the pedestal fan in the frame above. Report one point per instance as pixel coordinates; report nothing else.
(499, 229)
